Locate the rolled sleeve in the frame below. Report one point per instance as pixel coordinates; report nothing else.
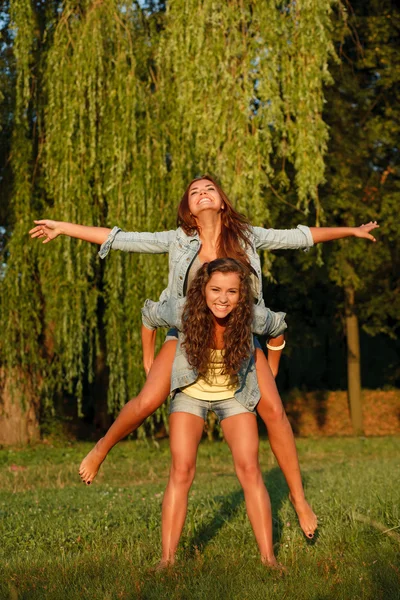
(162, 314)
(151, 317)
(158, 242)
(280, 239)
(307, 232)
(106, 246)
(268, 322)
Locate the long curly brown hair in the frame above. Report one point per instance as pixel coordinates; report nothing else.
(235, 231)
(198, 321)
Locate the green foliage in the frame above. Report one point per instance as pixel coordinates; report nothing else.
(363, 176)
(7, 99)
(239, 84)
(362, 184)
(117, 108)
(20, 299)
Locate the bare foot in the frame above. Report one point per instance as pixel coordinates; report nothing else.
(91, 463)
(307, 518)
(163, 564)
(272, 563)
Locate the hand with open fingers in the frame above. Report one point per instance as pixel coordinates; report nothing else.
(364, 231)
(46, 229)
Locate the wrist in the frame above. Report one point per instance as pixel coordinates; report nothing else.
(60, 228)
(276, 341)
(276, 348)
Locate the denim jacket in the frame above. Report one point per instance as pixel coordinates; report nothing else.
(183, 248)
(169, 313)
(247, 393)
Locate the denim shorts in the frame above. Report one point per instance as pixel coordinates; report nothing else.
(230, 407)
(172, 334)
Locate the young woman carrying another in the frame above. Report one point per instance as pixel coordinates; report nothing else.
(214, 370)
(208, 228)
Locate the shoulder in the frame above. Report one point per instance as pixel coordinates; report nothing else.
(185, 237)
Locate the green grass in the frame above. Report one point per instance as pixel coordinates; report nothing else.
(60, 539)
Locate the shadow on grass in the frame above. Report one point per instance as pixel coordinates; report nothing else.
(230, 504)
(386, 578)
(278, 493)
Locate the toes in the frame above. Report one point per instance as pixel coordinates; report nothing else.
(84, 475)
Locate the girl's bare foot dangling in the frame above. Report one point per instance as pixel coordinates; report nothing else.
(307, 518)
(91, 463)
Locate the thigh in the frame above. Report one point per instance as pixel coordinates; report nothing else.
(158, 382)
(241, 434)
(270, 398)
(185, 432)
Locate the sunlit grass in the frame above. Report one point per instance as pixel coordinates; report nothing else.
(60, 539)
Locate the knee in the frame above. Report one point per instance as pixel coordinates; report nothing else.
(146, 404)
(272, 412)
(182, 473)
(248, 473)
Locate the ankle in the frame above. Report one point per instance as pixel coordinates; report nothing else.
(298, 498)
(100, 448)
(269, 560)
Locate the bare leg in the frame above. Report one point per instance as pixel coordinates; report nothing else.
(241, 435)
(282, 442)
(185, 432)
(153, 394)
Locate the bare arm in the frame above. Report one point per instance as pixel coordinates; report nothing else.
(326, 234)
(49, 230)
(274, 356)
(148, 347)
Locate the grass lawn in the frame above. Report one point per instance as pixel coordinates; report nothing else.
(61, 539)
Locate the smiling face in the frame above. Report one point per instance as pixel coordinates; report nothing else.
(222, 293)
(203, 195)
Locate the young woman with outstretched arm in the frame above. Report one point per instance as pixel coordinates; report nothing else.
(208, 228)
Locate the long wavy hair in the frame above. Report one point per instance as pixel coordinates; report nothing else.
(235, 231)
(198, 321)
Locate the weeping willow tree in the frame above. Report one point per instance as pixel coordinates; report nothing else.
(239, 84)
(20, 301)
(127, 113)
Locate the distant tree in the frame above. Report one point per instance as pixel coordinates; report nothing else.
(7, 100)
(356, 283)
(363, 177)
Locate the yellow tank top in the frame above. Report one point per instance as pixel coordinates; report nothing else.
(216, 385)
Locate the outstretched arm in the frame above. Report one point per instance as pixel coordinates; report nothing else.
(326, 234)
(305, 237)
(48, 230)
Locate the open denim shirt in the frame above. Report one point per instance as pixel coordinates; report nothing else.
(169, 313)
(182, 249)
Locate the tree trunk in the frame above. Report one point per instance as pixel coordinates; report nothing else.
(19, 422)
(353, 363)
